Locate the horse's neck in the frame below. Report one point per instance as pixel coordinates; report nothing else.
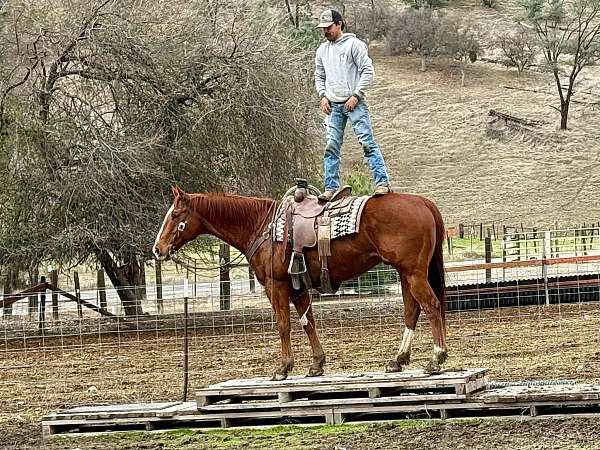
(233, 219)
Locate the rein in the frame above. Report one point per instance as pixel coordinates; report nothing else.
(265, 235)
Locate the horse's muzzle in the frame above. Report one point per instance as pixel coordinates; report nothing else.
(158, 255)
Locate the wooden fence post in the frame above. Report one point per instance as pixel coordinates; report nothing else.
(42, 306)
(33, 299)
(78, 294)
(160, 309)
(54, 282)
(224, 278)
(488, 257)
(251, 279)
(7, 311)
(101, 284)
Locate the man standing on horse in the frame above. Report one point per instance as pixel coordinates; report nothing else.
(343, 72)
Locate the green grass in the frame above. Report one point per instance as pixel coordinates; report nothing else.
(470, 248)
(284, 437)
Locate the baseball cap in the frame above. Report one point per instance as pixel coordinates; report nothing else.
(328, 17)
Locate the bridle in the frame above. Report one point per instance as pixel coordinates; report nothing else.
(262, 236)
(178, 230)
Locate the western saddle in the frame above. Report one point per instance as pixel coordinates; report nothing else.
(309, 223)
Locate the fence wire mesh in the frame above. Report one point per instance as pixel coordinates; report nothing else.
(524, 322)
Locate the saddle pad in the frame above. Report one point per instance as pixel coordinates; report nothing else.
(345, 216)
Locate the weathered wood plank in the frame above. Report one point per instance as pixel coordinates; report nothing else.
(329, 403)
(414, 377)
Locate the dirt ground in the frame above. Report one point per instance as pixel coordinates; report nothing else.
(556, 342)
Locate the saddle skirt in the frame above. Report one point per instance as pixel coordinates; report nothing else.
(344, 215)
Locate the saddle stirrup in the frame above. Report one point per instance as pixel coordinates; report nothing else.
(297, 268)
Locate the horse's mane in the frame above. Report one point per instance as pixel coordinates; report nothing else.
(234, 209)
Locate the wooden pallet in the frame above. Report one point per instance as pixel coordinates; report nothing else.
(367, 397)
(447, 385)
(128, 416)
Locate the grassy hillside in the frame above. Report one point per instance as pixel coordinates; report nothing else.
(433, 135)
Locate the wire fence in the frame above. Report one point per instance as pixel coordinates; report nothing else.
(543, 321)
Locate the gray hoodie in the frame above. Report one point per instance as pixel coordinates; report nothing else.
(343, 68)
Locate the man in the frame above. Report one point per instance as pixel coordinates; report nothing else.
(343, 72)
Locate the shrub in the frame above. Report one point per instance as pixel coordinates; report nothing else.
(415, 31)
(360, 181)
(369, 21)
(307, 36)
(420, 4)
(461, 43)
(518, 48)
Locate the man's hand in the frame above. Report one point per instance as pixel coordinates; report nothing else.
(351, 103)
(325, 106)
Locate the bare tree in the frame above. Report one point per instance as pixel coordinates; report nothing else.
(461, 43)
(105, 105)
(568, 36)
(368, 20)
(297, 11)
(517, 47)
(415, 31)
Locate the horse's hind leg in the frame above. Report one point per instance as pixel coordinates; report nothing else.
(423, 293)
(304, 307)
(412, 309)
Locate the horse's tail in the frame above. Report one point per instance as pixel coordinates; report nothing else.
(436, 273)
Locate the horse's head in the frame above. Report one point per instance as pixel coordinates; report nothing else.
(179, 227)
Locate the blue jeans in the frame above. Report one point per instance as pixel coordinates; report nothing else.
(361, 123)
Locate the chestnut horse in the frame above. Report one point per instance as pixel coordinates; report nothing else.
(404, 231)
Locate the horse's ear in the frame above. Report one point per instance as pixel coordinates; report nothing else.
(177, 191)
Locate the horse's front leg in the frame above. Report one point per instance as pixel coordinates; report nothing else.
(303, 305)
(280, 300)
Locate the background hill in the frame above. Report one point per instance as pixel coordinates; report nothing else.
(434, 135)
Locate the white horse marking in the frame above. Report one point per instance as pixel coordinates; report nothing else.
(154, 249)
(407, 340)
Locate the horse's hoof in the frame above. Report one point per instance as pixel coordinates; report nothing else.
(393, 366)
(315, 372)
(277, 376)
(432, 368)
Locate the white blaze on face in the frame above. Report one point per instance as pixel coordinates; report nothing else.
(162, 228)
(407, 340)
